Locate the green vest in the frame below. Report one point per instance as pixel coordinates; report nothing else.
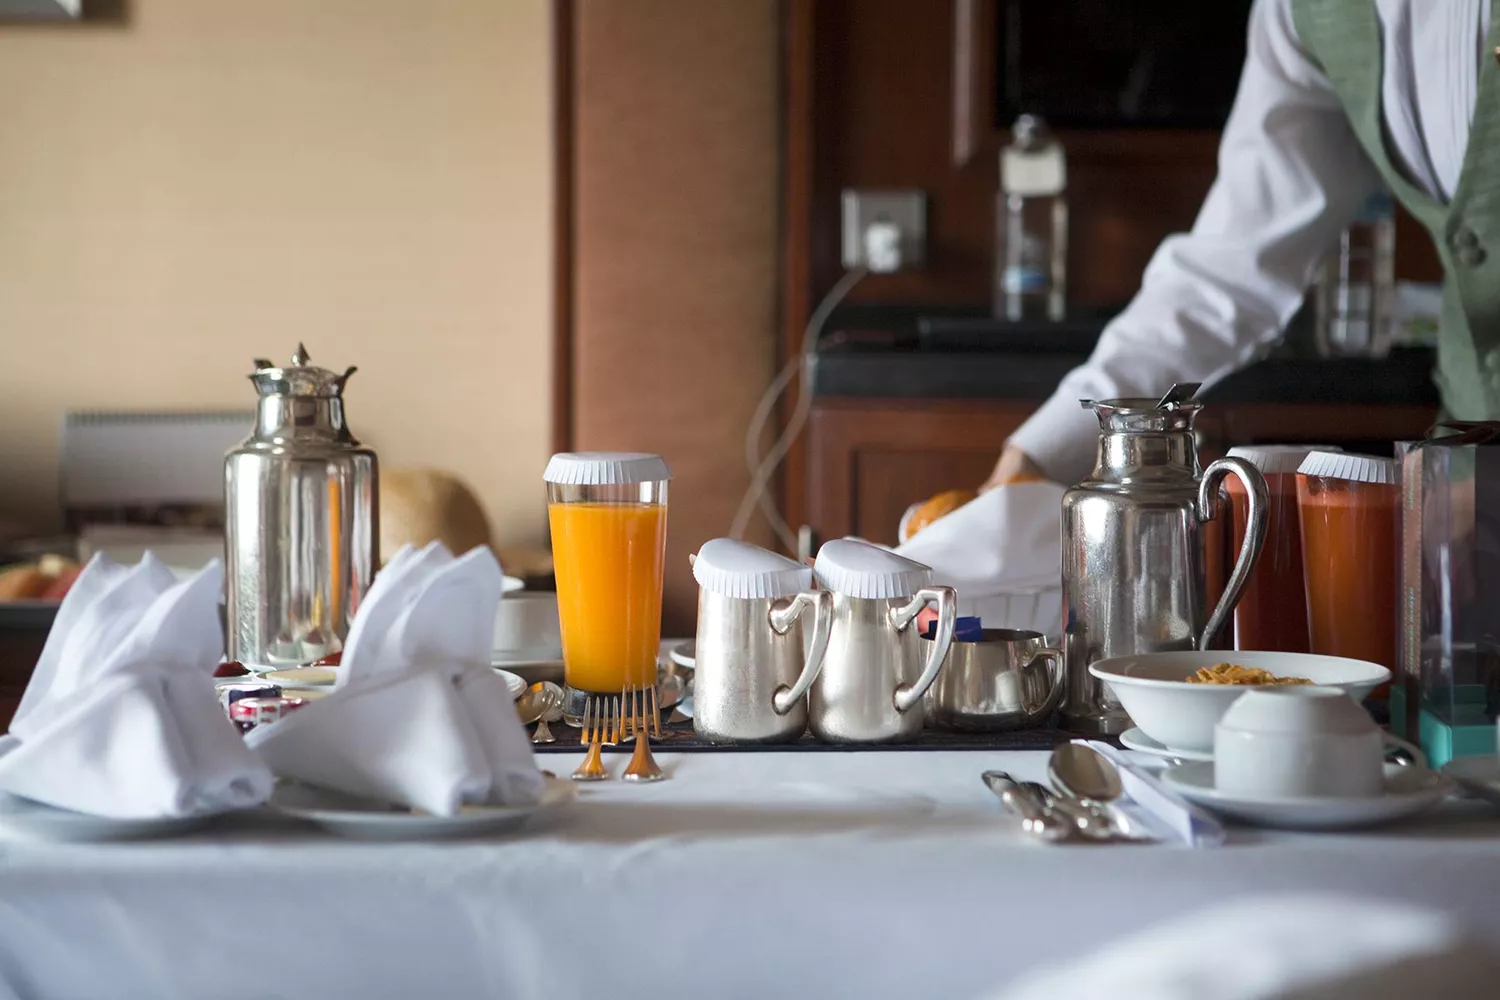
(1343, 36)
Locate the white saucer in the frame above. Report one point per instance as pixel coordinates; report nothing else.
(513, 683)
(301, 676)
(44, 822)
(361, 819)
(1477, 776)
(1408, 791)
(684, 654)
(1136, 739)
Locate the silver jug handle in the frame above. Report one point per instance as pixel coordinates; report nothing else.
(1255, 532)
(1056, 678)
(782, 618)
(946, 599)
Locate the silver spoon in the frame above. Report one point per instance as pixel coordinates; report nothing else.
(1084, 775)
(1036, 819)
(1090, 823)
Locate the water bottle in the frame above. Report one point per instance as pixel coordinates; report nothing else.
(1356, 286)
(1031, 225)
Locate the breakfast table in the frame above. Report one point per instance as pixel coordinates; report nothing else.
(751, 874)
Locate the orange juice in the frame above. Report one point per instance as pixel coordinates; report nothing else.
(608, 560)
(1349, 560)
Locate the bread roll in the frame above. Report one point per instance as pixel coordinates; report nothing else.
(925, 513)
(418, 506)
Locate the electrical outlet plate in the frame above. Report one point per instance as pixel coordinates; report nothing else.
(906, 207)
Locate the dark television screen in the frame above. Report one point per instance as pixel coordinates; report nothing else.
(1120, 63)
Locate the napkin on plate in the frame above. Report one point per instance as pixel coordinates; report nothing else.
(1002, 553)
(1169, 814)
(120, 718)
(417, 716)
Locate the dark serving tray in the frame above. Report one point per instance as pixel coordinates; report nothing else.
(680, 737)
(27, 616)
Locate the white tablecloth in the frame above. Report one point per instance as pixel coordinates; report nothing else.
(878, 874)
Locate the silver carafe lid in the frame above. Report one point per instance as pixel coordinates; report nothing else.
(298, 378)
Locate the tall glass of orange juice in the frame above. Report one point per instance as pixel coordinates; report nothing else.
(608, 514)
(1349, 507)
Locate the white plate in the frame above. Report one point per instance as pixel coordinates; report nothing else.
(301, 676)
(361, 819)
(513, 683)
(1408, 791)
(1136, 739)
(1152, 688)
(41, 821)
(1478, 776)
(684, 654)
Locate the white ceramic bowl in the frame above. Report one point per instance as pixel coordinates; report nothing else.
(1153, 688)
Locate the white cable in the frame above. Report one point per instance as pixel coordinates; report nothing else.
(762, 469)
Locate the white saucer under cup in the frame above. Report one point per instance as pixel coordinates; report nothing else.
(1300, 742)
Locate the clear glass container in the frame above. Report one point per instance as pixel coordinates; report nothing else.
(1031, 226)
(1349, 511)
(608, 517)
(1356, 287)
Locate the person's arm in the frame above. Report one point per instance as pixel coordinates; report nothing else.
(1291, 176)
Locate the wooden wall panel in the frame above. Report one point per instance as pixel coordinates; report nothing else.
(675, 232)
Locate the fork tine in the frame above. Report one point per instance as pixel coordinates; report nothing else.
(655, 714)
(583, 726)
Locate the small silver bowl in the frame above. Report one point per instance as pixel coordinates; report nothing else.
(1007, 679)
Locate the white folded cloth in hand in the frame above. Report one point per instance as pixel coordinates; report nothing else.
(1282, 947)
(417, 717)
(1002, 553)
(1005, 541)
(120, 718)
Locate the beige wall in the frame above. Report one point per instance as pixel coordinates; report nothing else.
(219, 179)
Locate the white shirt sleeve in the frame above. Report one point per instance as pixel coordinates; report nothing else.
(1292, 176)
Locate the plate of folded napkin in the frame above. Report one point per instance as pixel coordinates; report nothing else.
(43, 822)
(366, 819)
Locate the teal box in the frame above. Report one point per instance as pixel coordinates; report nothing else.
(1449, 679)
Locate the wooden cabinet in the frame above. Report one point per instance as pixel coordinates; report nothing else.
(870, 459)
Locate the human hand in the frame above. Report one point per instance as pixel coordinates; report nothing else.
(1014, 466)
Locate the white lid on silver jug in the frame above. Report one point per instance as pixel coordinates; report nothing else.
(1355, 468)
(738, 569)
(606, 468)
(1279, 459)
(859, 569)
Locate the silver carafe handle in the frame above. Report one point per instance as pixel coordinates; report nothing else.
(946, 600)
(1255, 532)
(782, 619)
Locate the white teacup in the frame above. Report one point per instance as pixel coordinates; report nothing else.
(1301, 741)
(527, 626)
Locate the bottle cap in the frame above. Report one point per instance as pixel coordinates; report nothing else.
(859, 569)
(1354, 468)
(738, 569)
(606, 468)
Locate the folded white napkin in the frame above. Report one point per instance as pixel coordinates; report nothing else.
(417, 716)
(1168, 814)
(120, 718)
(1286, 947)
(1005, 541)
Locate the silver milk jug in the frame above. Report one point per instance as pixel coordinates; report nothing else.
(301, 520)
(877, 668)
(751, 675)
(1133, 574)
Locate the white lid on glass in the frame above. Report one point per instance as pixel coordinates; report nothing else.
(606, 468)
(738, 569)
(1354, 468)
(859, 569)
(1279, 459)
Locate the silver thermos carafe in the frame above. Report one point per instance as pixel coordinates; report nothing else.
(1133, 574)
(301, 520)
